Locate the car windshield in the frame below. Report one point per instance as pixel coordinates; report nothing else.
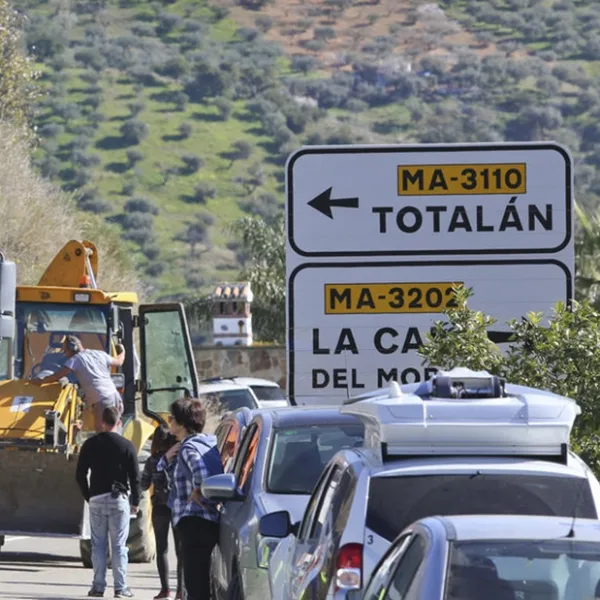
(41, 328)
(428, 495)
(267, 393)
(549, 569)
(229, 400)
(299, 454)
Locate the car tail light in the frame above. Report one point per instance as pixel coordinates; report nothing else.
(348, 574)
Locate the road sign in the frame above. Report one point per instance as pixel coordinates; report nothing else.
(354, 326)
(444, 200)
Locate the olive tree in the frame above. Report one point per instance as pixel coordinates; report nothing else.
(263, 243)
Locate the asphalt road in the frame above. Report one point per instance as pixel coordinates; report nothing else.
(50, 569)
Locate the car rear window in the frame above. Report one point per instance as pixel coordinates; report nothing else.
(229, 400)
(530, 569)
(266, 393)
(299, 455)
(396, 502)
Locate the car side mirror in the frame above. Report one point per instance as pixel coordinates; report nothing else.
(220, 487)
(277, 524)
(295, 528)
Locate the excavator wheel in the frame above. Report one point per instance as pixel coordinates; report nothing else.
(85, 551)
(141, 542)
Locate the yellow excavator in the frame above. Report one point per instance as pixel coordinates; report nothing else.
(43, 427)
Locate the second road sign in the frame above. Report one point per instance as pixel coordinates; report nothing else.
(355, 327)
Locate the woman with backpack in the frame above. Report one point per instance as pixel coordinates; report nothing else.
(162, 441)
(195, 518)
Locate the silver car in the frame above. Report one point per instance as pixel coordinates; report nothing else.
(268, 393)
(474, 557)
(277, 462)
(407, 470)
(227, 396)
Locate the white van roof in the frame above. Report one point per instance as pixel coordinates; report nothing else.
(464, 412)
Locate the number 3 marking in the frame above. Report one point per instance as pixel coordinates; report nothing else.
(369, 539)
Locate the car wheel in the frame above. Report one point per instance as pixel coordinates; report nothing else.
(234, 591)
(214, 593)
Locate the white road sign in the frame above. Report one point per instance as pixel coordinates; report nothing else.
(501, 199)
(355, 326)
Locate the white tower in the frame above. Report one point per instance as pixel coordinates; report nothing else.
(232, 315)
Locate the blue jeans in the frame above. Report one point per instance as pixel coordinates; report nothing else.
(109, 516)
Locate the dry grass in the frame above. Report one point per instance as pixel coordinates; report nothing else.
(37, 219)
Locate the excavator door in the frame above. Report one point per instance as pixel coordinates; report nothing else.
(8, 288)
(168, 367)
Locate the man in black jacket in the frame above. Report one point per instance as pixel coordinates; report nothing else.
(113, 463)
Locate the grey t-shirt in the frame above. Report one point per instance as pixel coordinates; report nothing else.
(92, 369)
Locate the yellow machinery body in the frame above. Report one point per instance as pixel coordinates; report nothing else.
(42, 426)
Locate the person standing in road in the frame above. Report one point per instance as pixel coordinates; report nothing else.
(195, 518)
(92, 370)
(162, 440)
(113, 463)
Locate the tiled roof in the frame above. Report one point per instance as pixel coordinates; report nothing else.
(233, 291)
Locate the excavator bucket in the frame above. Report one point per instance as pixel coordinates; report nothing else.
(27, 412)
(39, 494)
(37, 475)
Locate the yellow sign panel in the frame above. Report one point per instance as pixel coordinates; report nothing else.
(461, 180)
(388, 298)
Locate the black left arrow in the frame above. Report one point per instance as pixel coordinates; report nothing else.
(324, 203)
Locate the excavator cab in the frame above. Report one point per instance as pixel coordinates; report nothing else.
(41, 328)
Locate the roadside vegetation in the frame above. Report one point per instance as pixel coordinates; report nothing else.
(36, 216)
(173, 119)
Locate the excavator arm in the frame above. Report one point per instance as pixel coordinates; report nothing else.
(76, 265)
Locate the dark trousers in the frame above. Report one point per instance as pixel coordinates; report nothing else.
(198, 537)
(161, 521)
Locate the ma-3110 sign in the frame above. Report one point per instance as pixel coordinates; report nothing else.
(378, 236)
(420, 201)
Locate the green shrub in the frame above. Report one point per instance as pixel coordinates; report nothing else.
(141, 205)
(192, 164)
(134, 131)
(185, 130)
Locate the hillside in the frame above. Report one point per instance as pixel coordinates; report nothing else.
(172, 119)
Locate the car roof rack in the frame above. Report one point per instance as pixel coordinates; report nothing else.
(215, 379)
(232, 378)
(465, 413)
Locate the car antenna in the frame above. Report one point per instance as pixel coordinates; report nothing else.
(571, 533)
(346, 365)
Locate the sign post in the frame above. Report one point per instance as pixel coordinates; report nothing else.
(378, 236)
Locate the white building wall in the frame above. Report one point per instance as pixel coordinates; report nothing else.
(232, 330)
